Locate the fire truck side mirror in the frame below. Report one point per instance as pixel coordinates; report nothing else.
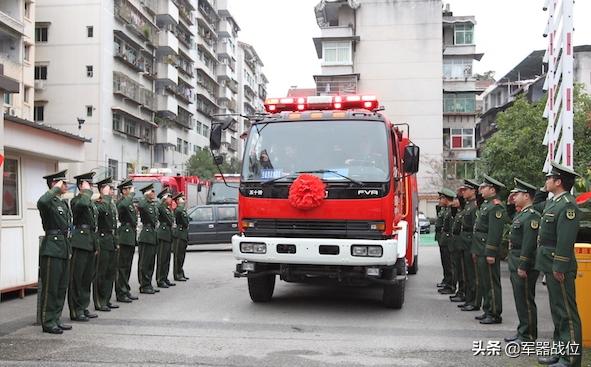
(411, 159)
(215, 137)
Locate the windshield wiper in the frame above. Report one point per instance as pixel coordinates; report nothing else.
(360, 183)
(268, 182)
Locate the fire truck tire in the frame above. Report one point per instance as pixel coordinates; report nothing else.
(261, 288)
(393, 296)
(415, 266)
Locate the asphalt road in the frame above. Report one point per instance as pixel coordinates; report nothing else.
(210, 321)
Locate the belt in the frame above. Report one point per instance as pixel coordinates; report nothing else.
(53, 232)
(106, 231)
(181, 228)
(85, 226)
(128, 224)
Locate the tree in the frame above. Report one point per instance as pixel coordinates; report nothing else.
(516, 149)
(201, 164)
(487, 75)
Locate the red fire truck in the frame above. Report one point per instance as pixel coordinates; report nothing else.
(327, 192)
(188, 185)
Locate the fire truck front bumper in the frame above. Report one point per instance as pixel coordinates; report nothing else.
(318, 251)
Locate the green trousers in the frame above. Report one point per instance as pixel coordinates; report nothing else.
(179, 249)
(163, 266)
(565, 315)
(490, 285)
(459, 269)
(147, 262)
(446, 260)
(54, 283)
(105, 278)
(473, 294)
(124, 263)
(82, 273)
(524, 293)
(140, 251)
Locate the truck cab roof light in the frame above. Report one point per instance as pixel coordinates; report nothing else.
(316, 103)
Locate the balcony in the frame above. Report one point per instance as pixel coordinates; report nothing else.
(186, 15)
(249, 90)
(126, 87)
(207, 92)
(167, 9)
(225, 94)
(150, 5)
(167, 106)
(131, 58)
(336, 84)
(226, 48)
(168, 42)
(183, 92)
(136, 21)
(167, 72)
(208, 12)
(185, 118)
(148, 99)
(225, 72)
(185, 38)
(39, 84)
(227, 29)
(12, 20)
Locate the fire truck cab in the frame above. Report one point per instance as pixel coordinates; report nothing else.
(362, 231)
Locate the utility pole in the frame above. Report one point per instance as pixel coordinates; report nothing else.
(559, 83)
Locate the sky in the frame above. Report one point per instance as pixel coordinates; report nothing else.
(282, 30)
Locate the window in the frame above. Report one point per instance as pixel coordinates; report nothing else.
(10, 192)
(89, 71)
(130, 127)
(41, 72)
(454, 170)
(179, 145)
(38, 113)
(185, 147)
(89, 31)
(202, 215)
(41, 32)
(205, 130)
(464, 34)
(8, 99)
(26, 97)
(227, 213)
(89, 111)
(117, 123)
(457, 68)
(337, 53)
(130, 168)
(113, 171)
(196, 149)
(462, 138)
(460, 102)
(27, 52)
(27, 9)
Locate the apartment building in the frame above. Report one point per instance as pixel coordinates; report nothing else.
(391, 49)
(460, 90)
(28, 150)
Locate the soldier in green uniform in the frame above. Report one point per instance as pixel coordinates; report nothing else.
(457, 248)
(488, 234)
(84, 249)
(522, 254)
(166, 218)
(127, 239)
(54, 253)
(107, 239)
(181, 238)
(555, 257)
(148, 239)
(473, 296)
(444, 237)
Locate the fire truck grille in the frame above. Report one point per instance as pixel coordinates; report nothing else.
(313, 229)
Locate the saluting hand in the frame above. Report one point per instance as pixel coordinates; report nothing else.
(521, 273)
(490, 260)
(85, 185)
(559, 276)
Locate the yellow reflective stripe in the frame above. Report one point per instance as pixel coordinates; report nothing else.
(523, 258)
(492, 247)
(561, 258)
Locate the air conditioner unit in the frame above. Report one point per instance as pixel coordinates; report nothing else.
(12, 112)
(39, 84)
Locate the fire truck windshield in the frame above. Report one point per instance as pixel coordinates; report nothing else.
(351, 149)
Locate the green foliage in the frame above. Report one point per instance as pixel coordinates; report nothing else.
(201, 164)
(516, 149)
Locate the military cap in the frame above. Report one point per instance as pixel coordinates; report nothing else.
(85, 177)
(163, 193)
(104, 181)
(447, 193)
(558, 170)
(489, 181)
(58, 176)
(147, 188)
(470, 184)
(128, 182)
(522, 186)
(178, 196)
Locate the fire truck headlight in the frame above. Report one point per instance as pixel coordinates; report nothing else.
(260, 248)
(366, 251)
(359, 250)
(247, 247)
(253, 247)
(374, 251)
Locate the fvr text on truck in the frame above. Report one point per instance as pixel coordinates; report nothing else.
(327, 192)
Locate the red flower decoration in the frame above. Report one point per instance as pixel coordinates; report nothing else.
(307, 192)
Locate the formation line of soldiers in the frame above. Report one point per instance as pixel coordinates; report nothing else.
(84, 247)
(542, 235)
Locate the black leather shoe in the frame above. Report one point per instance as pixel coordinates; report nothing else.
(64, 326)
(439, 285)
(103, 309)
(489, 320)
(163, 285)
(511, 338)
(90, 315)
(124, 300)
(186, 278)
(53, 330)
(481, 317)
(180, 279)
(446, 291)
(169, 283)
(457, 299)
(132, 297)
(148, 291)
(80, 318)
(559, 364)
(470, 308)
(110, 305)
(462, 305)
(548, 359)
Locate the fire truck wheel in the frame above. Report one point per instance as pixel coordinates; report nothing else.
(261, 288)
(393, 296)
(415, 266)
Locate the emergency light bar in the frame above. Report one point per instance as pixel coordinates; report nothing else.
(276, 105)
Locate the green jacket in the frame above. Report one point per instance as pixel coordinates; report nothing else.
(456, 244)
(127, 231)
(523, 238)
(439, 223)
(55, 215)
(182, 223)
(166, 218)
(107, 223)
(468, 220)
(84, 213)
(488, 228)
(557, 235)
(149, 215)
